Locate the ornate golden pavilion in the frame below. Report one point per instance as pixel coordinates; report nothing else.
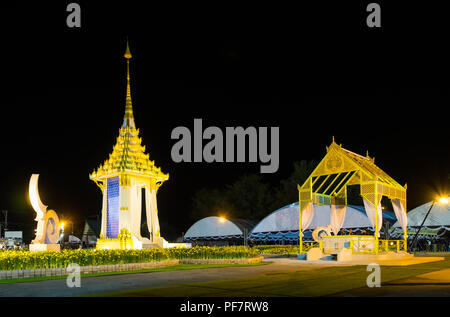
(327, 185)
(124, 177)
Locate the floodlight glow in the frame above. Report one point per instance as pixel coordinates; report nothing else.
(222, 219)
(443, 200)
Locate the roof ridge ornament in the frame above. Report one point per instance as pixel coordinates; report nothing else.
(128, 119)
(127, 54)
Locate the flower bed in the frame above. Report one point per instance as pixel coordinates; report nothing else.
(278, 249)
(21, 260)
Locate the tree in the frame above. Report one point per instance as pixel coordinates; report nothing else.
(211, 202)
(287, 192)
(250, 197)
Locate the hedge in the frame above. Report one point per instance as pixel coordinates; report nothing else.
(21, 260)
(278, 249)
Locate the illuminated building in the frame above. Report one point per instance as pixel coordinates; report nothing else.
(124, 178)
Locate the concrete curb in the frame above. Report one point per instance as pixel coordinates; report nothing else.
(222, 261)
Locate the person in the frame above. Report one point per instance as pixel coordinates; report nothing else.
(251, 243)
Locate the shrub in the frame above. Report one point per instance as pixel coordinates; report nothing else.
(20, 260)
(278, 249)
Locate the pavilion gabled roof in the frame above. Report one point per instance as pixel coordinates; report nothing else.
(340, 168)
(339, 160)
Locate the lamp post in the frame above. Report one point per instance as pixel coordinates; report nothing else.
(222, 220)
(67, 221)
(245, 236)
(5, 213)
(442, 200)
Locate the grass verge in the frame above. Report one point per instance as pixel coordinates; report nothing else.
(302, 283)
(161, 269)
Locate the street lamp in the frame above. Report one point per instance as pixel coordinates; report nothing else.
(63, 224)
(442, 201)
(245, 236)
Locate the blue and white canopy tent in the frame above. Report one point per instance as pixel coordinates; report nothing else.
(281, 226)
(436, 226)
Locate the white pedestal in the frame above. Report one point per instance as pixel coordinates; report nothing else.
(44, 247)
(315, 254)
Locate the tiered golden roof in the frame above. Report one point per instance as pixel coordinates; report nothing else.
(128, 154)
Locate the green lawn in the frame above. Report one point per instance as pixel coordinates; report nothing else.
(318, 282)
(161, 269)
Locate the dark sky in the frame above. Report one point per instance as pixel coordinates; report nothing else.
(312, 70)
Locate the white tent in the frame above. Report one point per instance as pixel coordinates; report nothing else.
(439, 216)
(73, 239)
(286, 219)
(282, 224)
(214, 227)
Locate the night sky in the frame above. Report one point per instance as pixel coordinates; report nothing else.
(314, 71)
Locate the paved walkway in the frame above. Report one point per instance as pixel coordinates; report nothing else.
(102, 284)
(361, 261)
(433, 284)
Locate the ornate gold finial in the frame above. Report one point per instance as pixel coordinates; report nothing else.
(128, 119)
(367, 153)
(333, 139)
(127, 51)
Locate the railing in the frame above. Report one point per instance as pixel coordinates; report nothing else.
(367, 245)
(89, 269)
(391, 245)
(364, 245)
(308, 245)
(433, 248)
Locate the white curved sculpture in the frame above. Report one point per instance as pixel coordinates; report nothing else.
(320, 232)
(48, 228)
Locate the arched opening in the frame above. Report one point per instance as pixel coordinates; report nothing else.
(144, 227)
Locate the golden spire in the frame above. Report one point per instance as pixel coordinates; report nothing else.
(128, 119)
(127, 52)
